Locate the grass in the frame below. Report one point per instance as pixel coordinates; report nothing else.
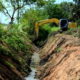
(48, 28)
(55, 29)
(15, 47)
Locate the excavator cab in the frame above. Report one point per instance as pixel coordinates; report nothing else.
(63, 24)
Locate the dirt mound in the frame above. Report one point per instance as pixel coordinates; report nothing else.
(60, 58)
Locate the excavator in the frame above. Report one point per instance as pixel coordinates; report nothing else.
(58, 22)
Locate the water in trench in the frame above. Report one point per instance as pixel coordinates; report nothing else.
(34, 63)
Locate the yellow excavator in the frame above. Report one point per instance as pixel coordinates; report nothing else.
(56, 21)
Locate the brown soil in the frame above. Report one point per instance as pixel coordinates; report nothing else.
(60, 58)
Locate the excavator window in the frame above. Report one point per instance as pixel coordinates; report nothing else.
(64, 24)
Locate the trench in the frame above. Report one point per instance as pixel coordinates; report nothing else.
(34, 64)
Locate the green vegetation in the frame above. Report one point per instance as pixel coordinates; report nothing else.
(18, 36)
(74, 31)
(15, 49)
(50, 29)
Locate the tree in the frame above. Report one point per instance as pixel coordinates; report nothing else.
(77, 2)
(13, 5)
(54, 11)
(30, 17)
(17, 7)
(76, 10)
(67, 8)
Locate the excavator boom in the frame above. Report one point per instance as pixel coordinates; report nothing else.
(53, 20)
(39, 23)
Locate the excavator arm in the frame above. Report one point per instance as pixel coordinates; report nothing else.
(53, 20)
(39, 23)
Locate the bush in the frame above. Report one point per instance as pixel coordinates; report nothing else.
(30, 17)
(15, 48)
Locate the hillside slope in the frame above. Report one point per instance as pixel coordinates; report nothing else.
(15, 54)
(60, 58)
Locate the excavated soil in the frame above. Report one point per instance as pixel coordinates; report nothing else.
(60, 58)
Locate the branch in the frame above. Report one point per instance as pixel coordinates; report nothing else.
(16, 10)
(19, 7)
(5, 10)
(4, 13)
(12, 4)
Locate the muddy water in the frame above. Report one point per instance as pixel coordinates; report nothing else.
(34, 63)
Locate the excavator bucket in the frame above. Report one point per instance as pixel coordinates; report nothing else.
(72, 25)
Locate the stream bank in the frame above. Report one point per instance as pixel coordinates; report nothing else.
(60, 58)
(15, 53)
(14, 65)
